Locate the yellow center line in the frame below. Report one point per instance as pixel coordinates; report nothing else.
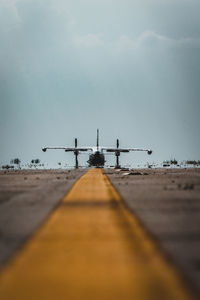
(91, 247)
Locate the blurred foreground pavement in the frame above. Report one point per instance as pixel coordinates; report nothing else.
(167, 202)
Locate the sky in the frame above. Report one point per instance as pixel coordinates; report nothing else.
(128, 67)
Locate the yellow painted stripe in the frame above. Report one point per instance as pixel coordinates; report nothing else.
(91, 247)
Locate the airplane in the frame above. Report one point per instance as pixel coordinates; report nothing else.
(97, 153)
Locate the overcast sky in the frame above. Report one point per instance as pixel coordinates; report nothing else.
(128, 67)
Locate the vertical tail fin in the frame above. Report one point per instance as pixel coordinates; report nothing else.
(97, 139)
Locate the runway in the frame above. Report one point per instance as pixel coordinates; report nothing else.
(91, 247)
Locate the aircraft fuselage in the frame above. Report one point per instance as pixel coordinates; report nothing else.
(96, 159)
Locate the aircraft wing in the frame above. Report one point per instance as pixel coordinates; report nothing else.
(67, 149)
(118, 150)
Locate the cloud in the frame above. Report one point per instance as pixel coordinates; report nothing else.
(33, 37)
(61, 58)
(150, 39)
(147, 40)
(9, 16)
(89, 40)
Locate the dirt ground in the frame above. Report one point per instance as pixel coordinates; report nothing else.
(166, 201)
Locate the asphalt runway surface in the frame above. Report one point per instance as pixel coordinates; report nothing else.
(26, 199)
(166, 204)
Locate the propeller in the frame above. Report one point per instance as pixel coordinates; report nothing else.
(76, 142)
(117, 153)
(76, 153)
(117, 143)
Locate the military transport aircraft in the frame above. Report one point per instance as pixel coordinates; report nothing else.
(97, 153)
